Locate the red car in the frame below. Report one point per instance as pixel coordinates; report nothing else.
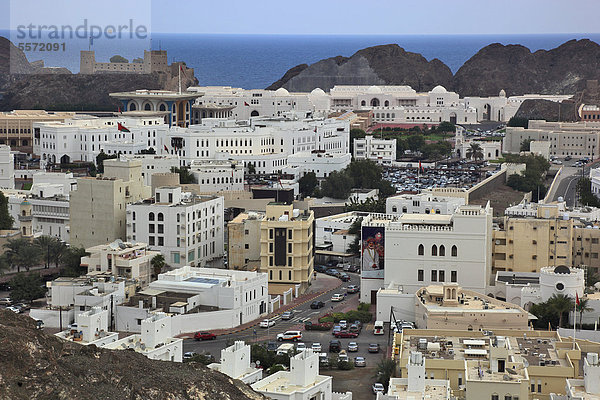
(345, 334)
(205, 336)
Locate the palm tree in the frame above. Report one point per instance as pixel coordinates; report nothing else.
(158, 263)
(44, 243)
(582, 308)
(475, 151)
(560, 304)
(386, 368)
(13, 249)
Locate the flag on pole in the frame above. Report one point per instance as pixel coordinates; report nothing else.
(120, 112)
(576, 299)
(122, 128)
(246, 104)
(166, 148)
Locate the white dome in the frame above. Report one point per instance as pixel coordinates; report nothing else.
(281, 92)
(439, 89)
(374, 90)
(317, 92)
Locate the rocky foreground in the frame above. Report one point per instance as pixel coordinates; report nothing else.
(36, 365)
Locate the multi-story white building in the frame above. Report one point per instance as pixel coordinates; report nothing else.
(7, 168)
(423, 203)
(319, 162)
(332, 229)
(578, 139)
(153, 164)
(218, 175)
(382, 151)
(409, 251)
(490, 149)
(84, 137)
(263, 143)
(235, 363)
(595, 178)
(186, 229)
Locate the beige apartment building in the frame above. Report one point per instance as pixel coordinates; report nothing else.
(586, 248)
(244, 241)
(121, 259)
(498, 364)
(528, 244)
(98, 206)
(449, 306)
(16, 127)
(286, 247)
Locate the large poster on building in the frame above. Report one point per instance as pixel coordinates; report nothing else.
(372, 251)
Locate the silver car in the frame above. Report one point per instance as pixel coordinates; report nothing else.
(360, 362)
(353, 347)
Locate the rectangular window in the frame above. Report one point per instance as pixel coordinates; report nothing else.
(151, 240)
(420, 275)
(246, 246)
(270, 261)
(175, 257)
(270, 233)
(452, 276)
(441, 276)
(289, 248)
(289, 261)
(161, 228)
(271, 247)
(151, 228)
(161, 241)
(434, 276)
(290, 234)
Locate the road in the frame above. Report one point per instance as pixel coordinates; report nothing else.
(567, 184)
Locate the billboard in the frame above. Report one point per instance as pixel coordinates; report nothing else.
(373, 251)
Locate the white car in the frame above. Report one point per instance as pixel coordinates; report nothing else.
(378, 388)
(13, 309)
(267, 323)
(316, 347)
(343, 324)
(300, 346)
(337, 297)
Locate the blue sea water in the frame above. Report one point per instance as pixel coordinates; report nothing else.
(256, 61)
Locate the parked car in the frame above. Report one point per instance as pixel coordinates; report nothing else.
(355, 328)
(344, 277)
(378, 388)
(315, 305)
(335, 346)
(287, 315)
(352, 289)
(190, 354)
(374, 348)
(300, 346)
(290, 335)
(360, 362)
(14, 309)
(320, 268)
(345, 334)
(337, 297)
(343, 356)
(267, 323)
(333, 272)
(272, 346)
(316, 347)
(5, 301)
(343, 324)
(354, 268)
(205, 336)
(353, 347)
(336, 329)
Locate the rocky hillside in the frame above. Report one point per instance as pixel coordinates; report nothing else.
(513, 68)
(35, 87)
(548, 110)
(36, 365)
(379, 65)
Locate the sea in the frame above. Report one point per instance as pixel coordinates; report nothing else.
(256, 61)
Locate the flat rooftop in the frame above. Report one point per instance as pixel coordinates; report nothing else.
(281, 384)
(433, 391)
(430, 297)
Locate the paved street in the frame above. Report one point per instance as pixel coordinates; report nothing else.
(567, 184)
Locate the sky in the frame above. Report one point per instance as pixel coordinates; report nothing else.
(344, 17)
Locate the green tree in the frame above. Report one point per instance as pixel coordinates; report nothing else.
(118, 59)
(385, 369)
(355, 229)
(584, 191)
(21, 253)
(158, 263)
(27, 287)
(185, 176)
(337, 185)
(446, 127)
(71, 262)
(560, 305)
(518, 122)
(583, 307)
(4, 264)
(526, 145)
(6, 220)
(100, 160)
(415, 142)
(355, 133)
(475, 151)
(251, 169)
(44, 243)
(308, 183)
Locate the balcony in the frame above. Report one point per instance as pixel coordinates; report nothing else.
(25, 218)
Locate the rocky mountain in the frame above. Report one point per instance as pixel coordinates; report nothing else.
(513, 68)
(379, 65)
(27, 85)
(548, 110)
(37, 365)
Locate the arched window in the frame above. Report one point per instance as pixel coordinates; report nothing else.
(160, 217)
(147, 107)
(394, 209)
(442, 251)
(434, 250)
(386, 103)
(454, 251)
(151, 216)
(404, 210)
(363, 103)
(162, 107)
(421, 250)
(132, 106)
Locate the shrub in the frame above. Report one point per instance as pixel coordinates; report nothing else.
(345, 365)
(364, 306)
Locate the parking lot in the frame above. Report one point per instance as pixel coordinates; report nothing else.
(460, 174)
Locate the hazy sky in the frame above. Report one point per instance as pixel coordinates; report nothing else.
(360, 16)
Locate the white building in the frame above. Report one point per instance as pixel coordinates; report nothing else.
(235, 363)
(91, 328)
(84, 137)
(382, 151)
(207, 298)
(319, 162)
(186, 229)
(7, 168)
(153, 164)
(302, 382)
(423, 203)
(333, 230)
(490, 149)
(595, 178)
(50, 216)
(262, 143)
(218, 175)
(587, 388)
(409, 251)
(155, 341)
